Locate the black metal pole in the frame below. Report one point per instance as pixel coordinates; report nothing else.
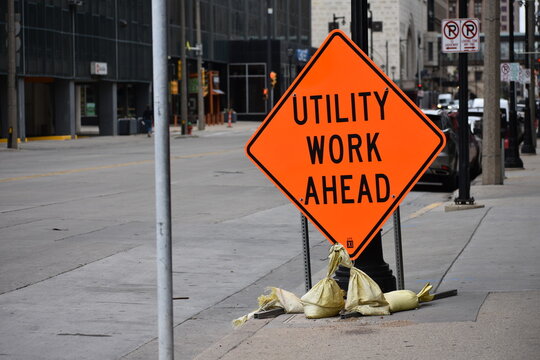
(268, 51)
(307, 261)
(464, 196)
(371, 259)
(512, 159)
(528, 145)
(399, 250)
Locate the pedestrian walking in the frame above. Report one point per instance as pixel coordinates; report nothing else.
(147, 120)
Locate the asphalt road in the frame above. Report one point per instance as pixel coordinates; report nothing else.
(77, 243)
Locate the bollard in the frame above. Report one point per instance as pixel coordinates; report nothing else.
(10, 138)
(229, 123)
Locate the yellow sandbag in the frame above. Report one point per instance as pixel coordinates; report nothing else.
(401, 300)
(288, 301)
(325, 299)
(364, 296)
(276, 299)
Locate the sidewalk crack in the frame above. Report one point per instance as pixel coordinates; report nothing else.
(462, 250)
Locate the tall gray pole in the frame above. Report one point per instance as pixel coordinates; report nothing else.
(183, 82)
(200, 96)
(163, 182)
(491, 133)
(12, 72)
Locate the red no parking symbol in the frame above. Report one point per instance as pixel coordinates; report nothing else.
(469, 29)
(451, 30)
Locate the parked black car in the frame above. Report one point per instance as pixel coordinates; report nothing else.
(445, 169)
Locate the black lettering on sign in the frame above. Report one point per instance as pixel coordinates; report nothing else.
(339, 113)
(304, 103)
(365, 95)
(338, 147)
(334, 189)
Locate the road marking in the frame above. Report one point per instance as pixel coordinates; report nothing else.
(131, 163)
(424, 210)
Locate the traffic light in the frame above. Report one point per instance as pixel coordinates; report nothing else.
(174, 87)
(265, 93)
(273, 78)
(204, 81)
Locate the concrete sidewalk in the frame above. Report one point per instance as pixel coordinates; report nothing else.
(490, 255)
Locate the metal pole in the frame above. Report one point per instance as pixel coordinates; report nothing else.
(464, 196)
(163, 183)
(399, 251)
(13, 134)
(370, 33)
(528, 146)
(307, 262)
(269, 12)
(387, 65)
(371, 260)
(512, 159)
(200, 96)
(183, 82)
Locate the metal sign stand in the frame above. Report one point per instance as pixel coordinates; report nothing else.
(399, 252)
(307, 263)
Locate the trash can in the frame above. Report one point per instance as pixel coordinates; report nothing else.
(127, 126)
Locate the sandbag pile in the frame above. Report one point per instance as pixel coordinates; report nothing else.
(327, 299)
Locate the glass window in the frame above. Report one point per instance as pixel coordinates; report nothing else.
(237, 86)
(221, 18)
(256, 69)
(235, 70)
(238, 21)
(246, 85)
(257, 103)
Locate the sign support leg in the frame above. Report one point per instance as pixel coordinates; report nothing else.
(307, 263)
(399, 252)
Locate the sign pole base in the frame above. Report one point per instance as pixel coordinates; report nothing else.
(372, 263)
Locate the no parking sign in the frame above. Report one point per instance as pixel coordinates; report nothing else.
(460, 35)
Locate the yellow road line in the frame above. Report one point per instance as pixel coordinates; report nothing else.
(41, 138)
(131, 163)
(424, 210)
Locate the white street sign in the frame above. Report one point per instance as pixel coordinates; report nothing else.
(460, 35)
(510, 72)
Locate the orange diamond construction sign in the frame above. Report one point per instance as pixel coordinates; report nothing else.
(345, 144)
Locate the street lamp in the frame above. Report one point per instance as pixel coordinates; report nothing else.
(334, 24)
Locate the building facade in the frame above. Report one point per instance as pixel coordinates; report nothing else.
(85, 62)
